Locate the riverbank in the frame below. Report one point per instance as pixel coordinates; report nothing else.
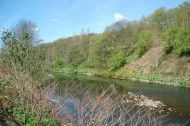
(153, 78)
(174, 98)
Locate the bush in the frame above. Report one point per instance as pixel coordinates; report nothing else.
(98, 51)
(142, 45)
(28, 117)
(168, 39)
(116, 60)
(182, 82)
(182, 42)
(177, 41)
(58, 63)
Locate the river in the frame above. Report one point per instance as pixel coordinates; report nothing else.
(176, 100)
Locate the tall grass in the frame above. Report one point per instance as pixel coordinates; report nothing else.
(107, 108)
(75, 105)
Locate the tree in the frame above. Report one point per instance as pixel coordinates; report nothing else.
(159, 19)
(97, 52)
(116, 60)
(182, 15)
(143, 43)
(176, 40)
(19, 43)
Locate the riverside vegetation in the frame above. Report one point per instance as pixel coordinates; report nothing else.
(155, 48)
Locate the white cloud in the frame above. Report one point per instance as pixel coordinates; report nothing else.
(118, 17)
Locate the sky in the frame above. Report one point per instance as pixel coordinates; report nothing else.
(63, 18)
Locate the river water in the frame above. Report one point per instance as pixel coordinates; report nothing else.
(175, 99)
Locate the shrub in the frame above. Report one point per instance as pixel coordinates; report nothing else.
(28, 117)
(58, 63)
(176, 40)
(182, 42)
(169, 37)
(142, 45)
(116, 60)
(182, 82)
(98, 51)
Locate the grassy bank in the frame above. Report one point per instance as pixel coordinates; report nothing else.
(131, 75)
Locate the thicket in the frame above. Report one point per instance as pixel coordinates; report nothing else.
(21, 73)
(177, 41)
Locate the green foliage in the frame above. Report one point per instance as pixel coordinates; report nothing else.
(183, 82)
(76, 57)
(124, 73)
(176, 40)
(73, 50)
(182, 42)
(5, 82)
(22, 116)
(116, 60)
(169, 37)
(161, 19)
(21, 51)
(18, 46)
(101, 55)
(10, 51)
(182, 15)
(97, 52)
(28, 117)
(143, 43)
(58, 63)
(133, 38)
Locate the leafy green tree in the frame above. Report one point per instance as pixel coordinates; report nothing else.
(143, 43)
(96, 59)
(19, 46)
(77, 50)
(169, 37)
(177, 40)
(116, 60)
(182, 42)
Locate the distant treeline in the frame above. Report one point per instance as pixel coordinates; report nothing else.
(126, 41)
(120, 43)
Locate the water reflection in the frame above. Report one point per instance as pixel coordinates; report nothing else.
(173, 97)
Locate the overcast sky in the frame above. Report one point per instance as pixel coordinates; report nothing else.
(62, 18)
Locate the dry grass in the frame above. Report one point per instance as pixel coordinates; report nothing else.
(147, 63)
(80, 107)
(102, 109)
(155, 61)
